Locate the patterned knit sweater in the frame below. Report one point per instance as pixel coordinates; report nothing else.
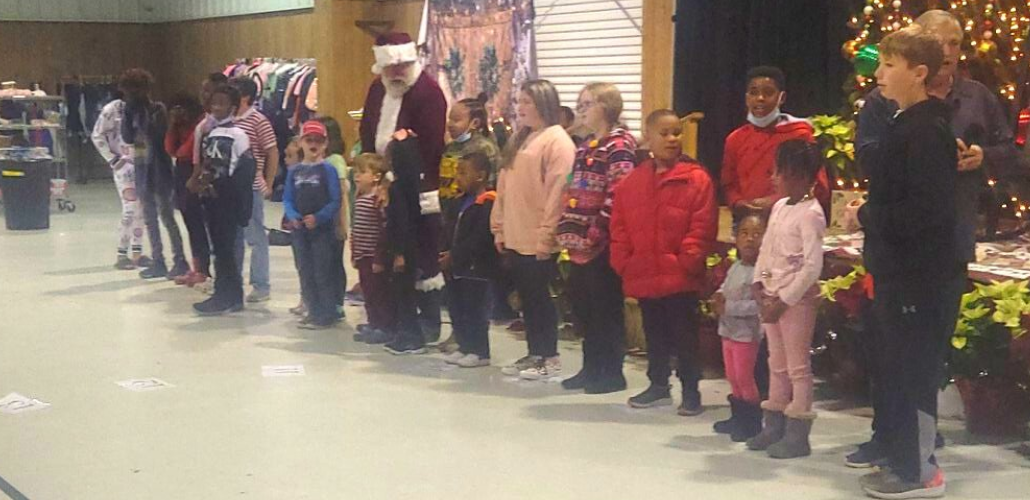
(600, 165)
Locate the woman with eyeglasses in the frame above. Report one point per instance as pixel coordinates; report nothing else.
(604, 158)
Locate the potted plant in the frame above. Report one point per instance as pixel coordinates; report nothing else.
(985, 361)
(841, 336)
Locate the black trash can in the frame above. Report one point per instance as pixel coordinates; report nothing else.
(26, 190)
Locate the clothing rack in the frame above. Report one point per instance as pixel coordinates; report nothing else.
(288, 89)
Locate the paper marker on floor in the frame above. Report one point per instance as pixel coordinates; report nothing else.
(14, 403)
(283, 371)
(144, 384)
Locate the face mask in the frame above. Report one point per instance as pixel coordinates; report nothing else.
(768, 119)
(463, 137)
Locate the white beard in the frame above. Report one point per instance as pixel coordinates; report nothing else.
(391, 108)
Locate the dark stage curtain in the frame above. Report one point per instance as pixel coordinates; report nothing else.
(718, 41)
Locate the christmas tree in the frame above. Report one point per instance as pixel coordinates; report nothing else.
(994, 52)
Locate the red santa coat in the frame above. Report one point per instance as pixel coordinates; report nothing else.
(749, 161)
(424, 111)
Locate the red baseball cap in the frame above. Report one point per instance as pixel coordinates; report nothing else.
(314, 127)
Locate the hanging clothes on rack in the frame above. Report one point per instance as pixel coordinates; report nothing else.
(285, 87)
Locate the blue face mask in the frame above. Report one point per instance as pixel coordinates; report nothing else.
(766, 120)
(463, 137)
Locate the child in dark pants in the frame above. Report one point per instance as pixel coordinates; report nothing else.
(469, 261)
(403, 213)
(367, 234)
(223, 181)
(663, 225)
(912, 207)
(312, 201)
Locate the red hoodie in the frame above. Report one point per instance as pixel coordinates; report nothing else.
(749, 161)
(663, 227)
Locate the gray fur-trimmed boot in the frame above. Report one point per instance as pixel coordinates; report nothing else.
(795, 440)
(772, 431)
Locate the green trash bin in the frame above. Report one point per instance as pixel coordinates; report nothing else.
(25, 185)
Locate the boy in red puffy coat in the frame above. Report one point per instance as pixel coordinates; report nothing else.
(664, 224)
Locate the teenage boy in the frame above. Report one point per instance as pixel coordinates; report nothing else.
(749, 158)
(911, 208)
(266, 157)
(144, 125)
(224, 180)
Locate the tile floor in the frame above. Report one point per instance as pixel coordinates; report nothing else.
(360, 424)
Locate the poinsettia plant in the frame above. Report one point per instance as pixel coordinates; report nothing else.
(848, 291)
(990, 318)
(836, 137)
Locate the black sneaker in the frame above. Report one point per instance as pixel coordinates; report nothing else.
(376, 337)
(691, 405)
(402, 347)
(868, 455)
(216, 307)
(179, 269)
(577, 382)
(315, 325)
(158, 270)
(606, 385)
(655, 395)
(124, 264)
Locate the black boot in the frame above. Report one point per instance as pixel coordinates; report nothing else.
(749, 421)
(729, 425)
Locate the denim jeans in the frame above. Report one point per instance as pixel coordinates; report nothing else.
(256, 236)
(314, 250)
(158, 208)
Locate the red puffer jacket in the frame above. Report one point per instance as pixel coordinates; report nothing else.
(663, 227)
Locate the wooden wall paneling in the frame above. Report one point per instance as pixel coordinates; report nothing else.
(659, 41)
(47, 51)
(195, 48)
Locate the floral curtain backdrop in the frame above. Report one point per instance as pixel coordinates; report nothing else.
(481, 46)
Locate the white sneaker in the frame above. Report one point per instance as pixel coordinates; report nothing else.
(514, 369)
(546, 369)
(454, 357)
(473, 361)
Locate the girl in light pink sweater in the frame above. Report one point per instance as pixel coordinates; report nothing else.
(786, 279)
(525, 218)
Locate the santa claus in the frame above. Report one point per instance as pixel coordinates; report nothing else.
(406, 97)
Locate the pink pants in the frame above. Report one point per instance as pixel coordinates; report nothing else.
(739, 359)
(790, 360)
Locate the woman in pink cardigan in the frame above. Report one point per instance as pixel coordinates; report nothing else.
(525, 218)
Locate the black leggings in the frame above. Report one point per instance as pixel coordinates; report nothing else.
(192, 211)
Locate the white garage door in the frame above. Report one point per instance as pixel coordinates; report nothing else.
(584, 41)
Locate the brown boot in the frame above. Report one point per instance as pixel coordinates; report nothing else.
(795, 441)
(772, 432)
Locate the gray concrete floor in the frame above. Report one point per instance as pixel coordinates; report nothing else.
(361, 424)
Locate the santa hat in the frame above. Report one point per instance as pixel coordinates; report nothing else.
(393, 48)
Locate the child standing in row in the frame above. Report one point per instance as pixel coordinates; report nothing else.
(741, 332)
(664, 224)
(470, 261)
(312, 202)
(787, 275)
(468, 127)
(370, 177)
(403, 213)
(224, 179)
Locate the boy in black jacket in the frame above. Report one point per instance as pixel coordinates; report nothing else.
(402, 215)
(912, 208)
(470, 261)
